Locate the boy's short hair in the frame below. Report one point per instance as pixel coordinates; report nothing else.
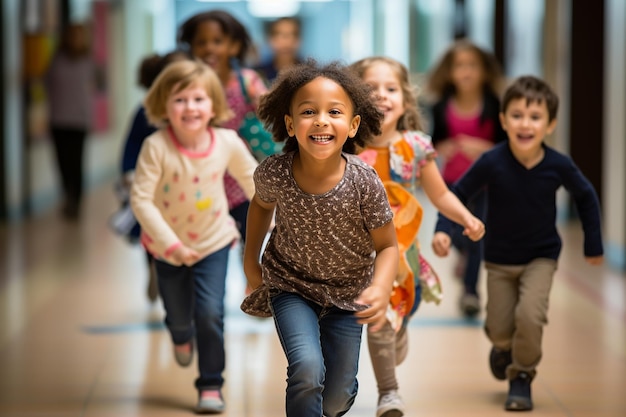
(182, 74)
(532, 89)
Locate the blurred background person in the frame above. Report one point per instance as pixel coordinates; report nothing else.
(465, 84)
(70, 84)
(283, 38)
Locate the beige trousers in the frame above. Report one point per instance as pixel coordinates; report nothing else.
(387, 349)
(517, 307)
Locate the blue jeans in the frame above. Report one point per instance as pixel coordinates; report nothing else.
(193, 298)
(240, 215)
(322, 346)
(473, 250)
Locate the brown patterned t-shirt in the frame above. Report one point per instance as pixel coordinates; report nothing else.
(321, 247)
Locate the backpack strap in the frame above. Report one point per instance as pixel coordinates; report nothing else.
(234, 63)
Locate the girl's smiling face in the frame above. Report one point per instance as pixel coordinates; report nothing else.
(526, 124)
(322, 118)
(388, 91)
(213, 46)
(189, 110)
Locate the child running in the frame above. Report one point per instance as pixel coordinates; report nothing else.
(178, 198)
(404, 157)
(331, 259)
(222, 42)
(522, 244)
(465, 124)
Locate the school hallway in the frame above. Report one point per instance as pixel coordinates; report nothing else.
(78, 336)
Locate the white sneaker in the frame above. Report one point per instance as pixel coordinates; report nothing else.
(183, 356)
(390, 405)
(210, 402)
(470, 305)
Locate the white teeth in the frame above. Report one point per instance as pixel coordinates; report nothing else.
(321, 138)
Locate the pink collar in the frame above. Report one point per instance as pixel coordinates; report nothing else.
(189, 153)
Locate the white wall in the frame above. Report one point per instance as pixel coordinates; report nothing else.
(524, 37)
(614, 190)
(13, 143)
(395, 14)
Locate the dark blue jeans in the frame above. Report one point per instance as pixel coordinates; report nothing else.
(322, 346)
(240, 215)
(193, 298)
(474, 250)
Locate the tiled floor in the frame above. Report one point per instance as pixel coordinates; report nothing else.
(79, 338)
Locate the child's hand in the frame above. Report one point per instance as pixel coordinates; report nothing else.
(472, 147)
(377, 298)
(185, 255)
(594, 260)
(441, 244)
(474, 229)
(447, 149)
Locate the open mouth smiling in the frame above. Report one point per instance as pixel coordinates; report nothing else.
(321, 138)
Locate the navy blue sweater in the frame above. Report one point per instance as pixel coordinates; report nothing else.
(521, 205)
(139, 131)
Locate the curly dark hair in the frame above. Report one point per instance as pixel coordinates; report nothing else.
(229, 25)
(277, 102)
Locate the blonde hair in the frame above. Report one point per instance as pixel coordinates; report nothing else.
(411, 119)
(180, 75)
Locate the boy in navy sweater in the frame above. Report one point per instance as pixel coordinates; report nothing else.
(522, 245)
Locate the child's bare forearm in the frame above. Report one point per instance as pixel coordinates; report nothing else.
(259, 219)
(386, 267)
(450, 206)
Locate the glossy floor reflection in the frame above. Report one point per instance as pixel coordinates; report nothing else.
(79, 338)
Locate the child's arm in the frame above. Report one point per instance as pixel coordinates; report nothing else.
(448, 204)
(376, 296)
(588, 207)
(260, 216)
(241, 165)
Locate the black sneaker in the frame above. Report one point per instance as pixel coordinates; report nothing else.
(519, 394)
(499, 360)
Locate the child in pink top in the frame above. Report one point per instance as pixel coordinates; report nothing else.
(465, 124)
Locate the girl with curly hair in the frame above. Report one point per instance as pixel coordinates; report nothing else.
(331, 259)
